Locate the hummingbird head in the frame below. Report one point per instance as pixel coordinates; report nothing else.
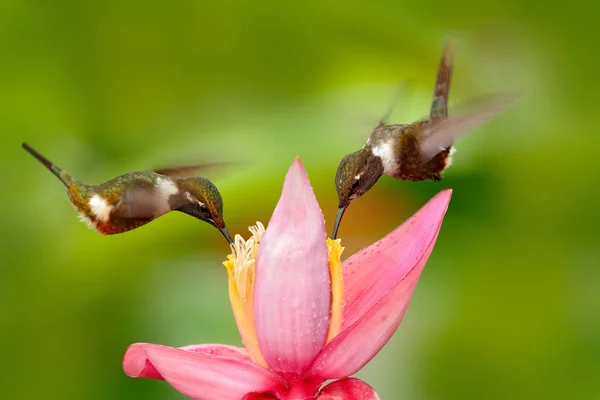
(201, 199)
(356, 174)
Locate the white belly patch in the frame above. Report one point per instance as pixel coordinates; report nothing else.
(100, 208)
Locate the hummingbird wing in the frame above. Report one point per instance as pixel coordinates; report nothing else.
(440, 135)
(139, 204)
(138, 195)
(404, 87)
(190, 170)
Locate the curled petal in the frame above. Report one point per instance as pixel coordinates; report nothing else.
(348, 389)
(201, 372)
(148, 370)
(292, 292)
(372, 272)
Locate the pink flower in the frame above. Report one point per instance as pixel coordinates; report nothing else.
(304, 318)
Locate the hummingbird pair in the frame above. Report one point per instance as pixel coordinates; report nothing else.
(417, 151)
(410, 152)
(136, 198)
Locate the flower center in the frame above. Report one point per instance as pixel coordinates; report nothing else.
(241, 271)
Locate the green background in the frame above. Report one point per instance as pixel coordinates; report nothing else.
(509, 303)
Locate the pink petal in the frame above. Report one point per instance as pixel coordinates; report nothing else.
(201, 372)
(222, 350)
(359, 342)
(148, 371)
(373, 271)
(348, 389)
(292, 289)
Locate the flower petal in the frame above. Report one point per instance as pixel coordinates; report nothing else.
(372, 272)
(292, 292)
(222, 350)
(207, 372)
(148, 370)
(348, 389)
(359, 342)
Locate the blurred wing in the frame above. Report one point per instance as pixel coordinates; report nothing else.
(441, 135)
(142, 203)
(404, 89)
(190, 170)
(439, 105)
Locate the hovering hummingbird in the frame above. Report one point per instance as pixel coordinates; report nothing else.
(417, 151)
(136, 198)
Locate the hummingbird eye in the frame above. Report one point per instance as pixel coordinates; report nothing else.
(204, 208)
(355, 184)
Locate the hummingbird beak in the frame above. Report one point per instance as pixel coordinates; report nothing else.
(338, 219)
(226, 234)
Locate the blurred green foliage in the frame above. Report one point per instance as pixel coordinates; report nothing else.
(509, 304)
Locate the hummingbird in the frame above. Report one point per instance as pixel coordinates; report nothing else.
(417, 151)
(136, 198)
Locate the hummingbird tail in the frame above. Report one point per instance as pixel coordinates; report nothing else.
(60, 174)
(439, 105)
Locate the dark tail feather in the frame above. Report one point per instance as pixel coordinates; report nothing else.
(60, 174)
(439, 106)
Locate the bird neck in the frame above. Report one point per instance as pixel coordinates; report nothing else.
(383, 148)
(179, 199)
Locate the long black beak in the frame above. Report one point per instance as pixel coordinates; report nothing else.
(226, 234)
(338, 219)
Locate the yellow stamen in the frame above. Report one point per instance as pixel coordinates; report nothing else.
(335, 250)
(241, 267)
